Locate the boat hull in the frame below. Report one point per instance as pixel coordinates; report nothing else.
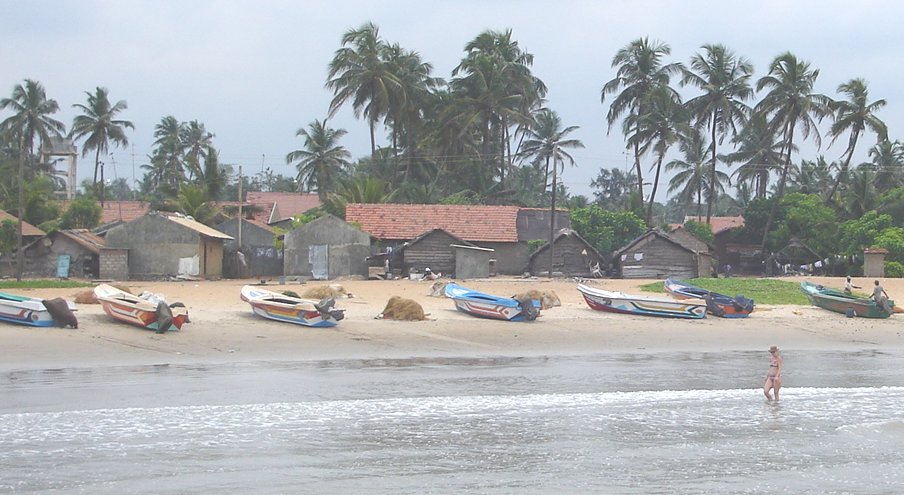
(617, 302)
(484, 305)
(279, 307)
(26, 311)
(717, 304)
(839, 302)
(131, 309)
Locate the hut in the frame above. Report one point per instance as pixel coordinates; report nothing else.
(473, 261)
(432, 249)
(797, 257)
(326, 248)
(165, 245)
(572, 256)
(657, 255)
(260, 257)
(65, 253)
(30, 234)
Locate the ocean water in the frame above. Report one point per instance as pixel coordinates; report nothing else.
(615, 423)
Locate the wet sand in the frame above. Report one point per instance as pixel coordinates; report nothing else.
(223, 329)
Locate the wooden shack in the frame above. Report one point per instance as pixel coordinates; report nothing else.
(657, 255)
(572, 256)
(432, 249)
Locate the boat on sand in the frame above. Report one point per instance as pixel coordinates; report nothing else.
(36, 312)
(150, 312)
(717, 304)
(847, 304)
(281, 307)
(484, 305)
(618, 302)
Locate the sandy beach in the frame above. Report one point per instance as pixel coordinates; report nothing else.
(223, 329)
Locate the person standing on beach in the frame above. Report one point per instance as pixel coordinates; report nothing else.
(849, 286)
(880, 296)
(774, 375)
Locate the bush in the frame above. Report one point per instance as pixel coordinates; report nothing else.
(893, 269)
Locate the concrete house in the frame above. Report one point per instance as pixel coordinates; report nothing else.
(658, 255)
(260, 257)
(572, 256)
(71, 253)
(326, 248)
(505, 229)
(166, 245)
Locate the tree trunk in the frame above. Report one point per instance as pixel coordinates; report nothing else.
(781, 188)
(552, 212)
(842, 174)
(712, 177)
(20, 256)
(653, 192)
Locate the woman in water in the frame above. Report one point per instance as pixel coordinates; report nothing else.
(774, 375)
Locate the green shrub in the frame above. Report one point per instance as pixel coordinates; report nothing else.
(893, 269)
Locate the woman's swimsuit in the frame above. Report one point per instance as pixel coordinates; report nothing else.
(773, 363)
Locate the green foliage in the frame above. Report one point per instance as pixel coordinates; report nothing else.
(892, 239)
(702, 231)
(461, 198)
(534, 244)
(83, 213)
(606, 230)
(893, 269)
(761, 290)
(806, 217)
(38, 206)
(43, 284)
(8, 230)
(855, 235)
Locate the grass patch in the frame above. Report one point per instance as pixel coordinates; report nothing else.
(761, 290)
(43, 284)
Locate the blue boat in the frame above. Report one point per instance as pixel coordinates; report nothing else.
(488, 306)
(717, 304)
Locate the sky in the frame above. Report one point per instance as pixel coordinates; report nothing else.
(254, 71)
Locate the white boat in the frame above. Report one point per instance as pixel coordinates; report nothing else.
(32, 311)
(618, 302)
(144, 313)
(281, 307)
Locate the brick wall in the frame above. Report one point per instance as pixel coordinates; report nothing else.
(114, 264)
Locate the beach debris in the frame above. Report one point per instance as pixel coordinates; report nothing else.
(547, 298)
(438, 289)
(291, 293)
(164, 317)
(60, 312)
(324, 291)
(399, 308)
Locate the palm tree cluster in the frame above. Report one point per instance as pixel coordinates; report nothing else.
(763, 136)
(183, 154)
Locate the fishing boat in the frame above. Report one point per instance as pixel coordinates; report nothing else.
(618, 302)
(148, 312)
(488, 306)
(281, 307)
(33, 312)
(717, 304)
(840, 302)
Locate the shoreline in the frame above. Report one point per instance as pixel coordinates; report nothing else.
(224, 330)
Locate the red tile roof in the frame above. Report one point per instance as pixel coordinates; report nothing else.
(719, 224)
(468, 222)
(281, 204)
(121, 210)
(28, 230)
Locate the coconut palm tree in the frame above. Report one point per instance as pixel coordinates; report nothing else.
(759, 153)
(861, 196)
(854, 115)
(887, 159)
(323, 161)
(812, 177)
(195, 142)
(664, 122)
(31, 119)
(546, 142)
(359, 73)
(693, 173)
(724, 79)
(790, 104)
(639, 70)
(99, 125)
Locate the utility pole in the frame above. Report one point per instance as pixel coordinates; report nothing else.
(239, 246)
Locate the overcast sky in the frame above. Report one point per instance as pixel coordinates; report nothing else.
(253, 71)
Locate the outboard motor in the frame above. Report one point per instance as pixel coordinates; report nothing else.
(324, 306)
(528, 309)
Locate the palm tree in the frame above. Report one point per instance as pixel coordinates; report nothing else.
(31, 119)
(322, 162)
(99, 124)
(725, 81)
(862, 195)
(759, 154)
(854, 115)
(195, 142)
(887, 158)
(693, 175)
(790, 104)
(612, 188)
(639, 70)
(813, 177)
(359, 72)
(664, 122)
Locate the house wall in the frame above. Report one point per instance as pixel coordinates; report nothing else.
(43, 260)
(262, 258)
(660, 259)
(874, 265)
(568, 258)
(155, 245)
(472, 263)
(533, 224)
(348, 248)
(433, 251)
(511, 257)
(114, 264)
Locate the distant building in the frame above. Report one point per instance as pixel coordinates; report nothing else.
(658, 255)
(326, 248)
